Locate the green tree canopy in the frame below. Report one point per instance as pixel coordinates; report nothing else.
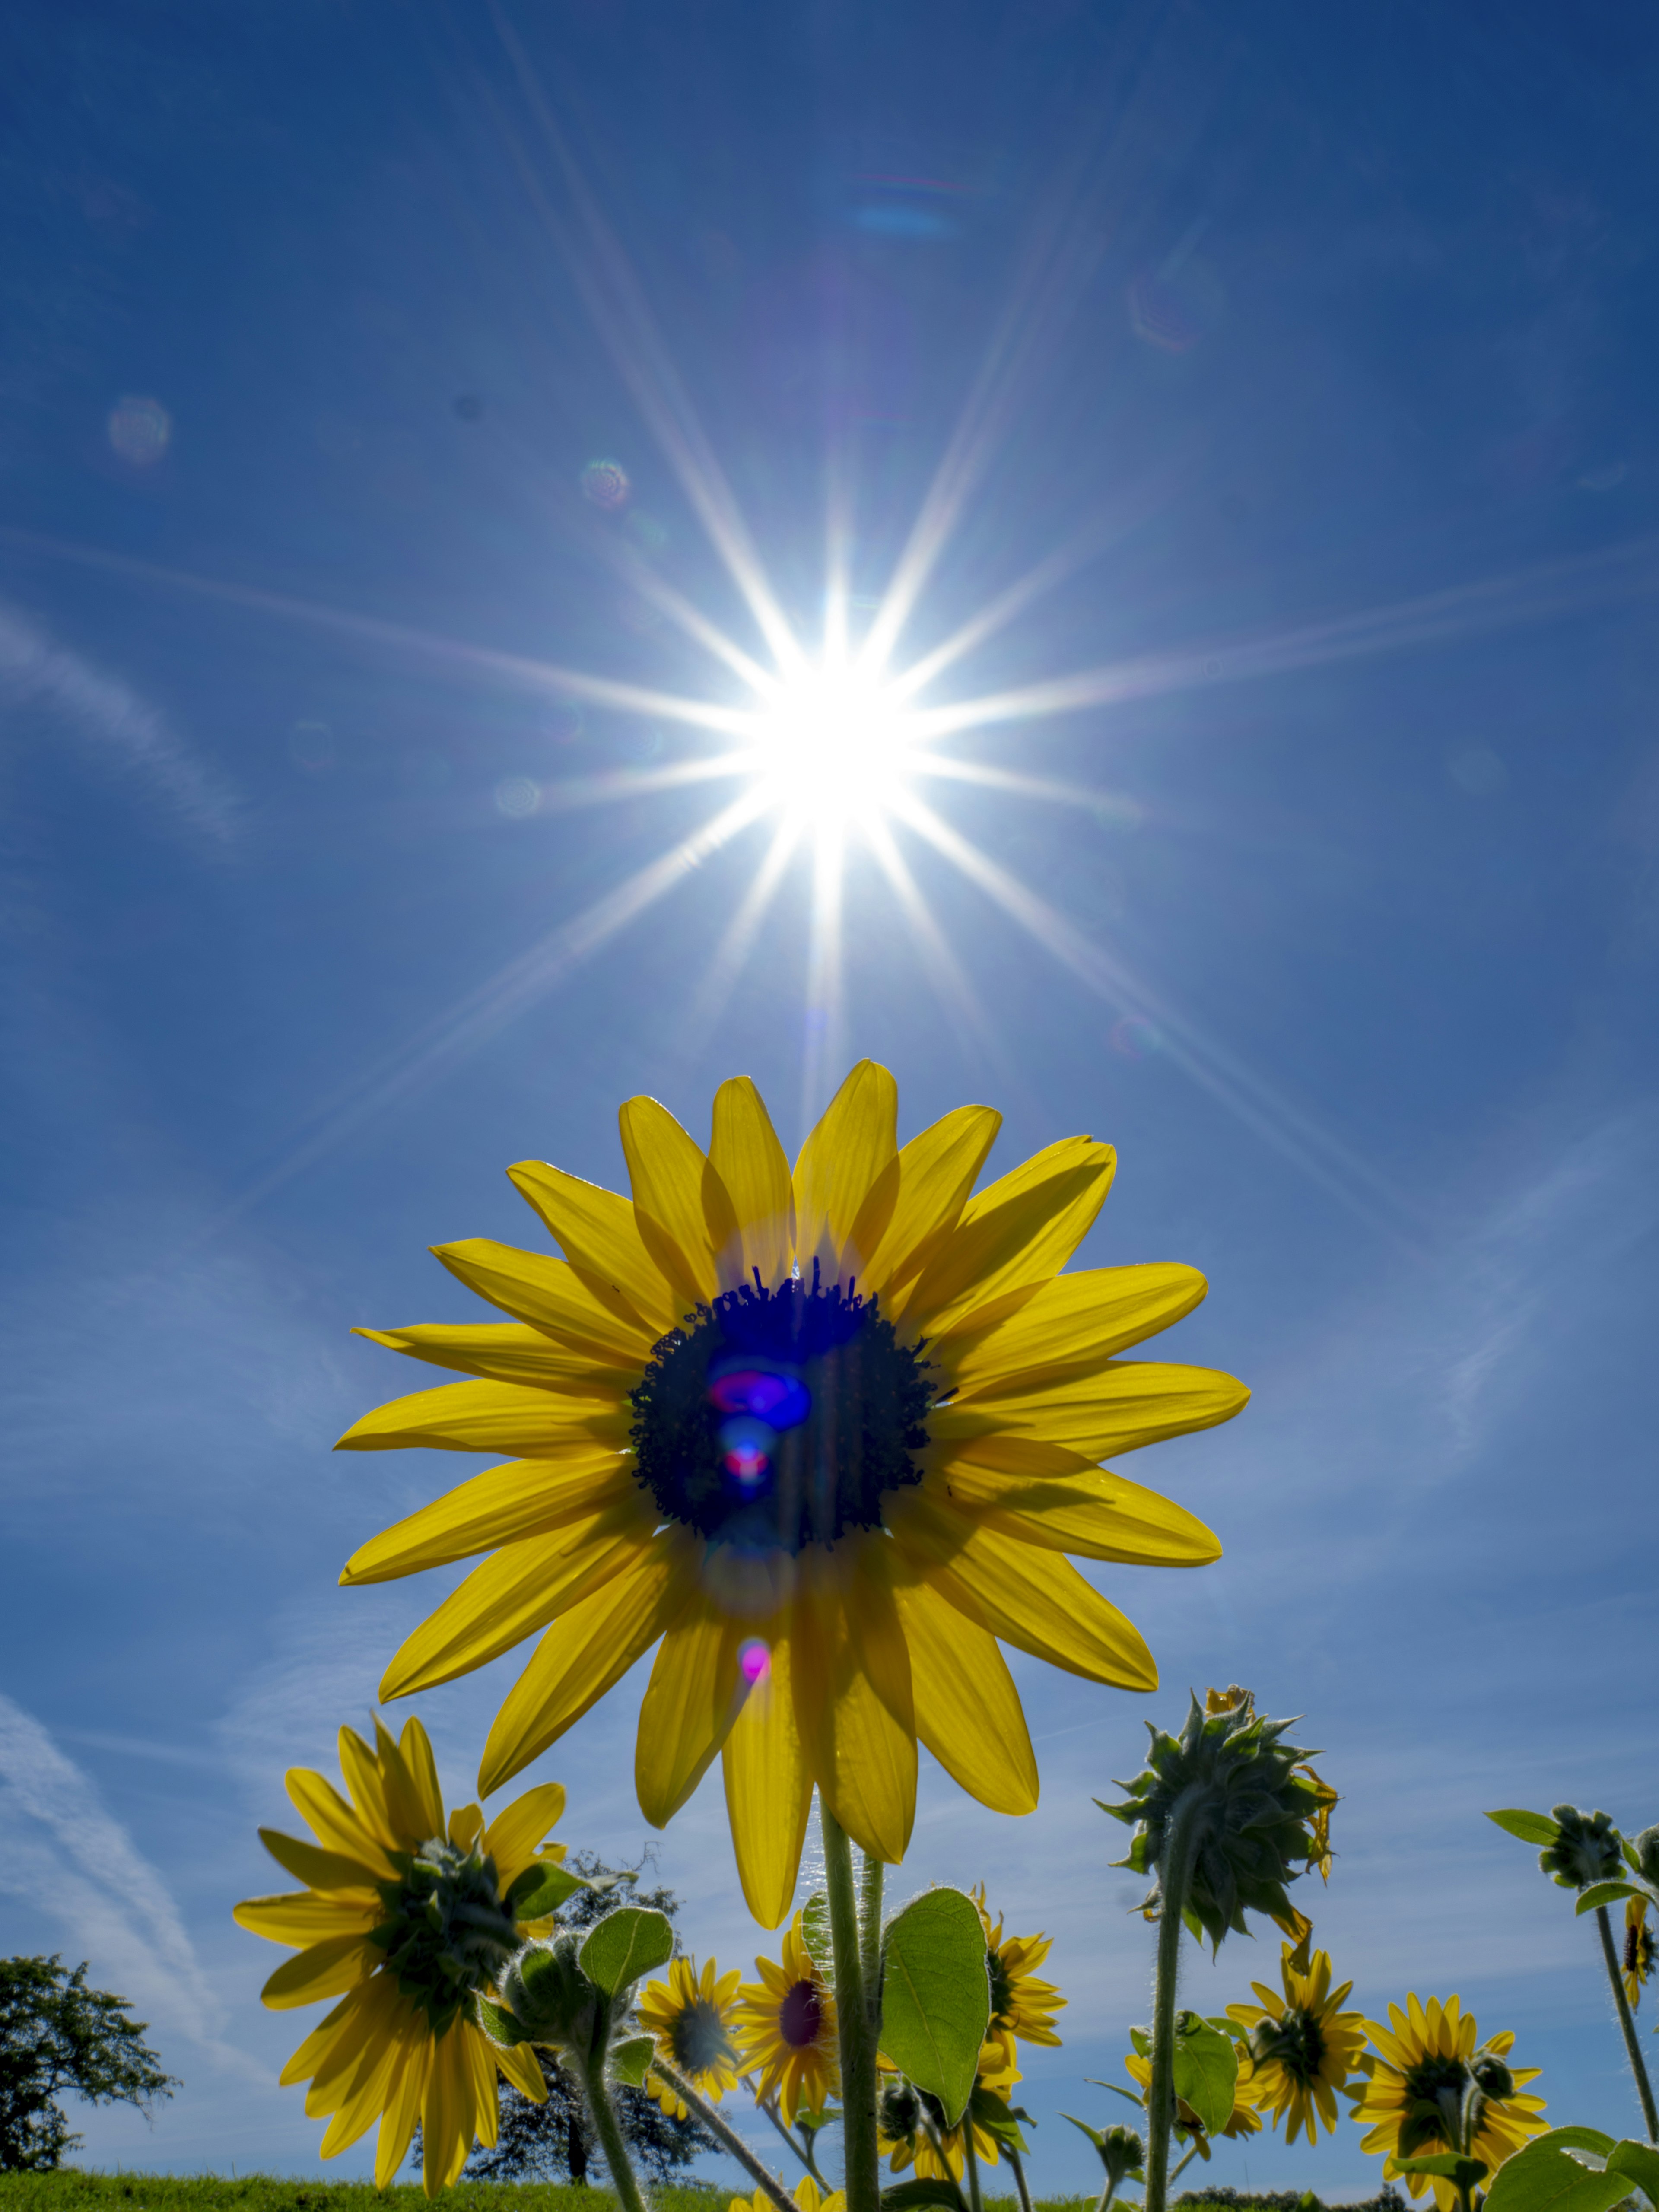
(57, 2036)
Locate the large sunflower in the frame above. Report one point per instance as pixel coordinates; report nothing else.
(1303, 2047)
(826, 1434)
(1425, 2059)
(1022, 2007)
(405, 1914)
(693, 2018)
(1243, 2120)
(787, 2027)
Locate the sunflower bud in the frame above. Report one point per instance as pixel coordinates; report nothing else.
(1121, 2151)
(1492, 2077)
(549, 1996)
(899, 2111)
(1646, 1848)
(1230, 1774)
(1587, 1850)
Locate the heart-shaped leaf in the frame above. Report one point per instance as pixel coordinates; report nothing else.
(936, 1996)
(624, 1945)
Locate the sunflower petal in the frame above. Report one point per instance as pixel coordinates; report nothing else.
(1098, 1515)
(1128, 1403)
(325, 1969)
(333, 2027)
(516, 1591)
(445, 2118)
(508, 1352)
(334, 1823)
(768, 1787)
(415, 1750)
(936, 1172)
(600, 1236)
(680, 1205)
(694, 1694)
(525, 1497)
(853, 1149)
(577, 1310)
(518, 1829)
(1021, 1230)
(523, 2069)
(403, 2105)
(320, 1869)
(585, 1655)
(368, 1793)
(1071, 1325)
(304, 1918)
(853, 1702)
(745, 1152)
(968, 1710)
(498, 1417)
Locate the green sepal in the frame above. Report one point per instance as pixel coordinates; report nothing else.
(1206, 2070)
(998, 2117)
(912, 2196)
(540, 1890)
(1535, 1828)
(624, 1945)
(630, 2061)
(1606, 1893)
(1118, 2090)
(1094, 2134)
(499, 2025)
(817, 1936)
(1142, 2042)
(936, 1996)
(1640, 2162)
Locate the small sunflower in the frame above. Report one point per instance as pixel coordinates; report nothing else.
(786, 2025)
(692, 2017)
(1303, 2047)
(1638, 1949)
(1243, 2120)
(404, 1918)
(910, 2121)
(1022, 2007)
(808, 2196)
(1421, 2070)
(824, 1434)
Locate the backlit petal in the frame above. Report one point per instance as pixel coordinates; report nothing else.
(320, 1869)
(1071, 1325)
(694, 1694)
(852, 1149)
(403, 2107)
(1020, 1230)
(523, 2070)
(937, 1170)
(337, 1963)
(305, 1918)
(519, 1830)
(768, 1787)
(510, 1351)
(491, 1416)
(334, 1823)
(677, 1200)
(968, 1710)
(600, 1236)
(526, 1497)
(1098, 1515)
(1126, 1404)
(853, 1696)
(754, 1169)
(577, 1309)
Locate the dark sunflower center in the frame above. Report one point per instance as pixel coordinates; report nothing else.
(1639, 1950)
(1434, 2087)
(1297, 2042)
(447, 1935)
(800, 2015)
(699, 2038)
(1002, 1989)
(781, 1416)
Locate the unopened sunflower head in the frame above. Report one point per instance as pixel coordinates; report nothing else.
(1587, 1849)
(1255, 1816)
(823, 1434)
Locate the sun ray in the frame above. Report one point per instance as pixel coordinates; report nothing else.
(730, 955)
(823, 1045)
(950, 980)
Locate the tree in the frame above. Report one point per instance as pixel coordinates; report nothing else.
(58, 2036)
(556, 2140)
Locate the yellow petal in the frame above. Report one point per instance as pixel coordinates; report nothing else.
(574, 1309)
(680, 1205)
(335, 1825)
(937, 1170)
(415, 1748)
(510, 1351)
(479, 2068)
(1128, 1403)
(517, 1831)
(446, 2117)
(368, 1795)
(853, 1696)
(317, 1869)
(466, 1826)
(492, 1417)
(1020, 1230)
(525, 1497)
(754, 1169)
(305, 1919)
(768, 1787)
(585, 1655)
(324, 1971)
(403, 2105)
(518, 1590)
(1098, 1515)
(968, 1710)
(694, 1694)
(600, 1236)
(334, 2026)
(1032, 1599)
(363, 2098)
(853, 1149)
(523, 2070)
(1069, 1325)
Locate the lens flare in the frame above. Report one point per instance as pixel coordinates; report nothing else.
(835, 746)
(754, 1660)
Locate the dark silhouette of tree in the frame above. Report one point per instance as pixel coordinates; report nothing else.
(555, 2142)
(58, 2037)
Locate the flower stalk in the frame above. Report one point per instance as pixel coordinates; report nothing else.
(857, 2019)
(613, 2144)
(725, 2134)
(976, 2203)
(1627, 2024)
(1182, 1835)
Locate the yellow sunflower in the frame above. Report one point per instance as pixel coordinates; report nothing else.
(1303, 2047)
(1022, 2007)
(404, 1917)
(1638, 1949)
(826, 1435)
(909, 2121)
(1427, 2058)
(692, 2017)
(808, 2196)
(786, 2028)
(1243, 2120)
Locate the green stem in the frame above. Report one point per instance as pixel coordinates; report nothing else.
(1175, 2175)
(803, 2152)
(608, 2129)
(870, 1881)
(854, 2023)
(1632, 2048)
(976, 2203)
(1019, 2177)
(725, 2134)
(1179, 1840)
(1107, 2195)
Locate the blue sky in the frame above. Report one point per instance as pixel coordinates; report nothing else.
(1285, 376)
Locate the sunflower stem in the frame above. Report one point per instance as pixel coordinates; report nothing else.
(1180, 1838)
(1182, 2166)
(1632, 2048)
(870, 1882)
(602, 2112)
(856, 2021)
(725, 2134)
(1019, 2177)
(803, 2151)
(976, 2203)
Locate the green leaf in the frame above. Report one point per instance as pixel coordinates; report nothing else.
(627, 2062)
(499, 2024)
(624, 1945)
(911, 2195)
(815, 1930)
(1531, 1827)
(1640, 2162)
(1607, 1893)
(936, 1996)
(999, 2118)
(1546, 2177)
(1587, 2139)
(1462, 2172)
(540, 1890)
(1206, 2070)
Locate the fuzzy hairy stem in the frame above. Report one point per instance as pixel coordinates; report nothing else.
(1179, 1842)
(803, 2150)
(1019, 2177)
(1632, 2048)
(976, 2203)
(607, 2127)
(725, 2134)
(855, 2021)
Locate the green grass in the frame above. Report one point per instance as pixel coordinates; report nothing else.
(73, 2191)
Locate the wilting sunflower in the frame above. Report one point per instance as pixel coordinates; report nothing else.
(786, 2031)
(407, 1916)
(826, 1434)
(1429, 2059)
(1022, 2007)
(1638, 1949)
(1303, 2047)
(1243, 2120)
(693, 2018)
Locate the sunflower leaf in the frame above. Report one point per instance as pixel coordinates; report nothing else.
(1606, 1893)
(540, 1890)
(1546, 2177)
(624, 1945)
(815, 1932)
(936, 1996)
(998, 2117)
(1530, 1827)
(499, 2025)
(1206, 2070)
(627, 2061)
(1640, 2162)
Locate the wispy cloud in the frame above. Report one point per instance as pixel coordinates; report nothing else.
(37, 672)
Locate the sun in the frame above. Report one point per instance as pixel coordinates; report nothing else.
(835, 746)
